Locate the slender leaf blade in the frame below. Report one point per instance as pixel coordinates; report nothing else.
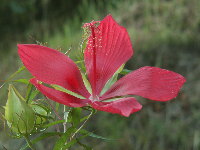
(63, 139)
(76, 116)
(112, 80)
(25, 81)
(41, 137)
(53, 123)
(83, 131)
(125, 71)
(60, 88)
(86, 83)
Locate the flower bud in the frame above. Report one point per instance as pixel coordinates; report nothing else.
(19, 115)
(41, 114)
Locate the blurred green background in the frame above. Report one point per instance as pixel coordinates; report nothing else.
(164, 33)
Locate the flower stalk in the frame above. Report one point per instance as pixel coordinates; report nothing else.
(89, 116)
(29, 142)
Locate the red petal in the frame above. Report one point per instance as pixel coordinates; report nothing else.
(110, 47)
(149, 82)
(124, 107)
(52, 67)
(58, 96)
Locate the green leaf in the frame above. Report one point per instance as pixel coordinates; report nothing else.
(80, 61)
(83, 145)
(53, 123)
(57, 106)
(76, 116)
(74, 141)
(125, 71)
(69, 144)
(93, 111)
(30, 94)
(34, 94)
(60, 88)
(15, 73)
(41, 137)
(112, 99)
(84, 118)
(41, 113)
(63, 139)
(112, 80)
(83, 131)
(29, 91)
(25, 81)
(86, 83)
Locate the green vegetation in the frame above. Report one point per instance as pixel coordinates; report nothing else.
(165, 33)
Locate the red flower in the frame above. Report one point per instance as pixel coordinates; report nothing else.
(108, 47)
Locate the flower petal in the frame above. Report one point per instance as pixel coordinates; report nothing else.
(149, 82)
(108, 47)
(124, 106)
(52, 67)
(58, 96)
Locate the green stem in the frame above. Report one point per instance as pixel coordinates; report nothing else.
(64, 124)
(89, 116)
(29, 94)
(29, 142)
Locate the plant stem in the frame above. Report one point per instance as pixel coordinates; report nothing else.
(56, 113)
(29, 142)
(64, 123)
(54, 110)
(92, 112)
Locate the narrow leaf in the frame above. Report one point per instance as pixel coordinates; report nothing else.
(41, 137)
(86, 83)
(53, 123)
(60, 88)
(34, 94)
(112, 80)
(63, 139)
(112, 99)
(76, 116)
(29, 91)
(15, 73)
(84, 146)
(125, 71)
(25, 81)
(74, 141)
(83, 131)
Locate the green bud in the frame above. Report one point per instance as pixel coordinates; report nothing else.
(41, 114)
(19, 115)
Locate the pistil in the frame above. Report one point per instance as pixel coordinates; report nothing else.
(94, 61)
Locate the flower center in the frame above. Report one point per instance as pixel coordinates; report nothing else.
(94, 98)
